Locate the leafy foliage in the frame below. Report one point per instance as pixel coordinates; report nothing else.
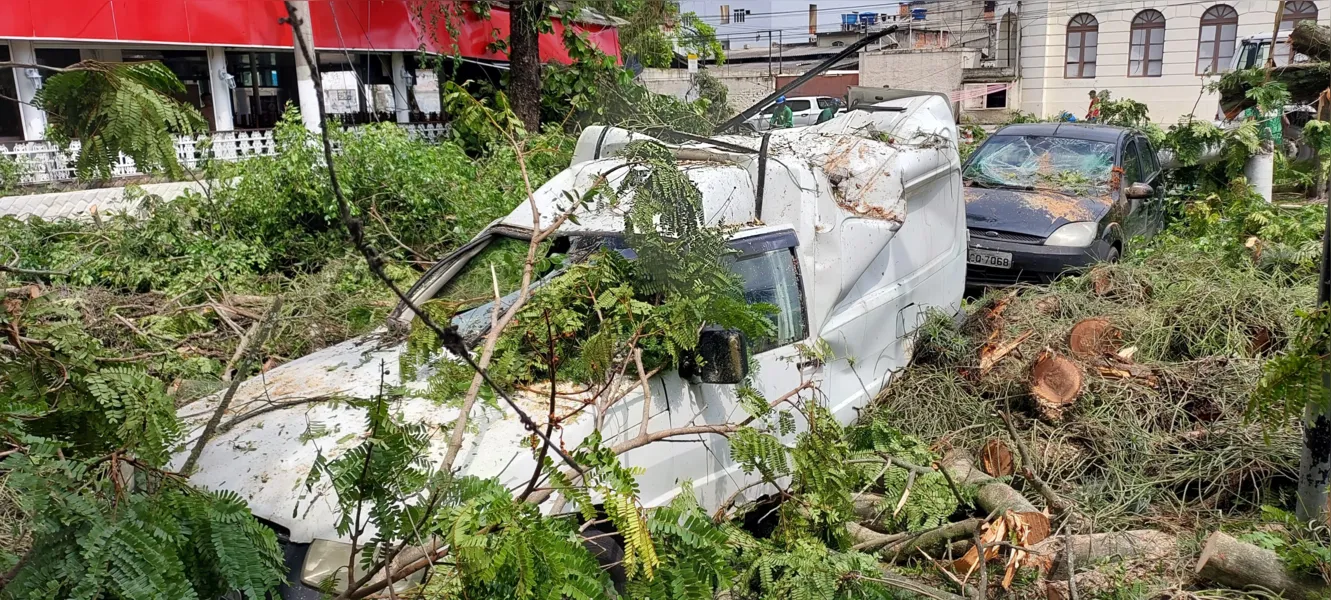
(88, 438)
(118, 108)
(594, 89)
(655, 28)
(1294, 378)
(1305, 547)
(86, 418)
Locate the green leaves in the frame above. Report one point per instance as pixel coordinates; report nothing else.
(92, 538)
(1293, 379)
(118, 108)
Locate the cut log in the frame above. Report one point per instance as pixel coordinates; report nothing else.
(1240, 565)
(902, 546)
(1092, 338)
(1138, 544)
(993, 496)
(1311, 39)
(1055, 384)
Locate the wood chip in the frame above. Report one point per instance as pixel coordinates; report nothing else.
(991, 534)
(990, 353)
(996, 459)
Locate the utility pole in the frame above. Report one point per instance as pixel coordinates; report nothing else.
(1315, 456)
(305, 72)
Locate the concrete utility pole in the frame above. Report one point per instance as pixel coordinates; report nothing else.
(305, 92)
(401, 100)
(219, 85)
(27, 82)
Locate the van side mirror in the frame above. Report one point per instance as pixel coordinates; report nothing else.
(1139, 191)
(725, 358)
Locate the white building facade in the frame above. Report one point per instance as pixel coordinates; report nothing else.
(1161, 53)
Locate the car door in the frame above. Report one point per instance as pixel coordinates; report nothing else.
(803, 110)
(1153, 216)
(1132, 210)
(768, 264)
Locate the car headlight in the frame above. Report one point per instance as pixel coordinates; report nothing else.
(326, 561)
(1078, 235)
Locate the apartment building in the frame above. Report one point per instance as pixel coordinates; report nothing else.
(1160, 52)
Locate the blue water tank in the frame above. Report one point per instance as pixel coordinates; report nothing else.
(918, 13)
(849, 19)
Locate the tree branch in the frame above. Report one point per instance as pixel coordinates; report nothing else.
(448, 337)
(255, 336)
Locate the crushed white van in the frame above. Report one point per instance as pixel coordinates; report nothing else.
(855, 228)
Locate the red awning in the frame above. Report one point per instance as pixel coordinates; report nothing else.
(369, 25)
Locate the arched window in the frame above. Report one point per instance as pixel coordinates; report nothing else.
(1083, 35)
(1295, 11)
(1215, 44)
(1146, 50)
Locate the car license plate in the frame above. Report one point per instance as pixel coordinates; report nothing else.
(989, 258)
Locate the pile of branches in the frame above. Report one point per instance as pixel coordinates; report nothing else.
(1125, 394)
(1305, 81)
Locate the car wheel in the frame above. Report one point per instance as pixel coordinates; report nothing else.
(1113, 255)
(608, 553)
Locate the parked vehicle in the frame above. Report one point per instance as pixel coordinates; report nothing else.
(1043, 198)
(852, 252)
(805, 109)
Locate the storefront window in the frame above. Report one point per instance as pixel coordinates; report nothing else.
(11, 123)
(265, 83)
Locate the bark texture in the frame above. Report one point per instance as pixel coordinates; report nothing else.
(1241, 565)
(1137, 544)
(993, 496)
(1313, 40)
(524, 56)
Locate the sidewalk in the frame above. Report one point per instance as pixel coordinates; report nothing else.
(80, 203)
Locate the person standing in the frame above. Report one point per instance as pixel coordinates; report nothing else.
(783, 117)
(828, 112)
(1093, 113)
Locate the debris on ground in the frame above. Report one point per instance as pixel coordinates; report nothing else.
(1102, 414)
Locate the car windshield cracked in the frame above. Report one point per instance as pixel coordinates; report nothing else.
(1040, 162)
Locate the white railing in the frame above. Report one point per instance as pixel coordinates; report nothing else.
(44, 162)
(426, 132)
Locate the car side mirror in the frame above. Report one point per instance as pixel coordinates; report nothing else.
(1139, 191)
(725, 358)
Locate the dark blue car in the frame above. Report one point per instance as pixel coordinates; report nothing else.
(1043, 198)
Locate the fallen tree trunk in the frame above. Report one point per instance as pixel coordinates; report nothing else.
(993, 495)
(1311, 40)
(1240, 565)
(893, 547)
(869, 509)
(1137, 544)
(868, 540)
(932, 541)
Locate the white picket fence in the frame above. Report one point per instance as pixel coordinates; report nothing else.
(44, 162)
